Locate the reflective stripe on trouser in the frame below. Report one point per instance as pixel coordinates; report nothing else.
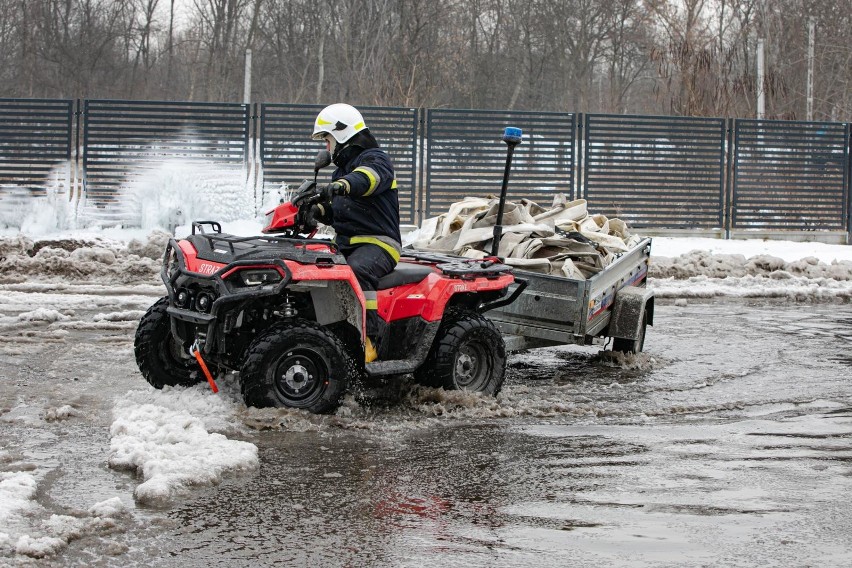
(369, 263)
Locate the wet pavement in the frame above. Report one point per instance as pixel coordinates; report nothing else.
(729, 443)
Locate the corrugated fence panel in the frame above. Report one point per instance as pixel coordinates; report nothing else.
(124, 139)
(287, 152)
(465, 156)
(35, 138)
(790, 175)
(654, 171)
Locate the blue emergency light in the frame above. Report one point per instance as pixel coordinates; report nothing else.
(512, 136)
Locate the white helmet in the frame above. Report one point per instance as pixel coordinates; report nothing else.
(340, 120)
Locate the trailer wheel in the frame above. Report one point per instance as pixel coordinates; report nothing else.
(632, 345)
(469, 354)
(296, 365)
(161, 357)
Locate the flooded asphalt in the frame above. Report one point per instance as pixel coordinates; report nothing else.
(729, 443)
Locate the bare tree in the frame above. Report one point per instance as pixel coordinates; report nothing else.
(691, 57)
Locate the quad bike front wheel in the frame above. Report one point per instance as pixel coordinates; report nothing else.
(297, 364)
(468, 354)
(160, 356)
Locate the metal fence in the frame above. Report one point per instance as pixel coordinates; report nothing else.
(790, 175)
(35, 144)
(125, 139)
(654, 172)
(463, 155)
(287, 152)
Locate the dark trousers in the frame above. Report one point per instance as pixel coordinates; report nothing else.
(369, 263)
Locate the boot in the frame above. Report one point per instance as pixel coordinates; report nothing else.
(370, 354)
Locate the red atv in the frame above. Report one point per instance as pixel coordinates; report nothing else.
(287, 314)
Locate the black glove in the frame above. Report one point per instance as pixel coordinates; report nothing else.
(319, 213)
(311, 218)
(332, 189)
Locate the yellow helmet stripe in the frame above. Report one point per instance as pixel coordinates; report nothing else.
(322, 122)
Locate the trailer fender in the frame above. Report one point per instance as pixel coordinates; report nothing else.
(630, 304)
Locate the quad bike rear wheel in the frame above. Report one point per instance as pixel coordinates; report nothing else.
(160, 356)
(298, 364)
(468, 354)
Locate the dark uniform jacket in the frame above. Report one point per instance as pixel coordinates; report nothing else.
(369, 211)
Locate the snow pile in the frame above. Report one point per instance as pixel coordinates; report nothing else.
(58, 531)
(775, 269)
(563, 240)
(17, 491)
(61, 413)
(43, 314)
(22, 533)
(703, 263)
(165, 437)
(97, 259)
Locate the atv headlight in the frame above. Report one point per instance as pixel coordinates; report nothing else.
(260, 277)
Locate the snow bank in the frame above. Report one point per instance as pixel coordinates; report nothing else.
(88, 260)
(703, 263)
(165, 437)
(775, 270)
(679, 267)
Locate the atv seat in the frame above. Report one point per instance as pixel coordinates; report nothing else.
(404, 273)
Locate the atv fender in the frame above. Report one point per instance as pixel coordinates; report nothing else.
(631, 303)
(336, 301)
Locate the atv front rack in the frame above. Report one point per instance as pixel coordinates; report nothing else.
(224, 248)
(216, 237)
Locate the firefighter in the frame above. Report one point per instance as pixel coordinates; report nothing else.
(364, 204)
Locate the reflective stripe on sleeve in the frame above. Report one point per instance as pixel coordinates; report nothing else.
(372, 176)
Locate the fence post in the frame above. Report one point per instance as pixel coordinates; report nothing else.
(417, 177)
(583, 155)
(727, 201)
(426, 178)
(576, 157)
(252, 166)
(847, 173)
(85, 120)
(76, 182)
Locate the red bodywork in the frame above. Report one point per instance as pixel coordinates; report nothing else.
(283, 217)
(427, 298)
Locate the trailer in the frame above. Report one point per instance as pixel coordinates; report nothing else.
(554, 310)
